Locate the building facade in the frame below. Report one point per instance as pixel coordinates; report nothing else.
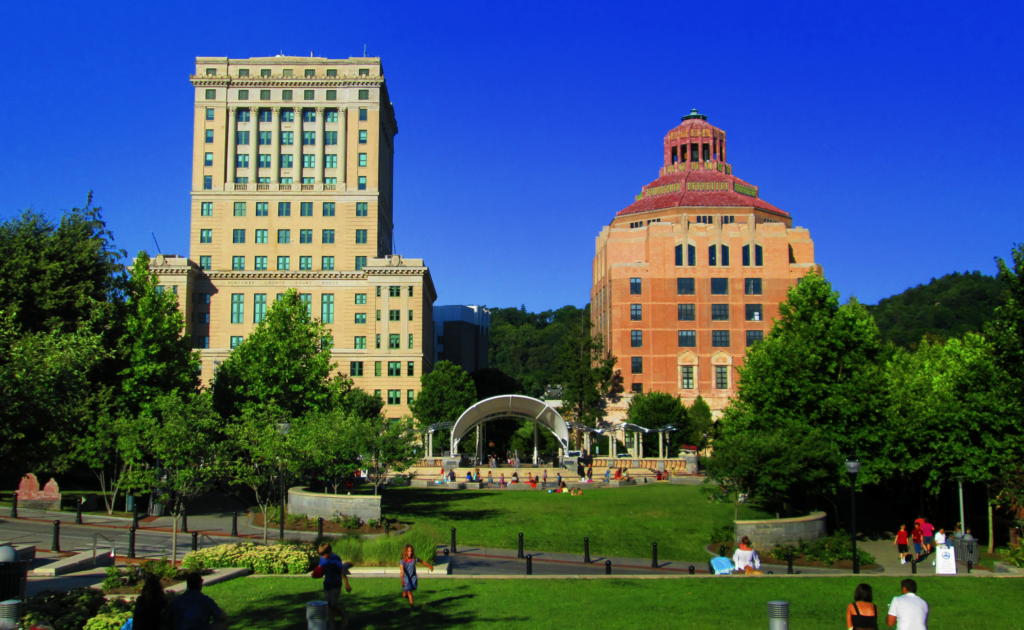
(462, 335)
(292, 171)
(692, 273)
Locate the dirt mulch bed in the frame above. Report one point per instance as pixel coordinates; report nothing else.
(330, 527)
(135, 590)
(798, 560)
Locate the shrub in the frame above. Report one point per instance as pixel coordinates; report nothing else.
(1015, 556)
(269, 559)
(723, 534)
(386, 550)
(829, 550)
(63, 610)
(111, 616)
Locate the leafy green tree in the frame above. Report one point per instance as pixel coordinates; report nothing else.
(586, 374)
(445, 393)
(654, 410)
(702, 426)
(491, 382)
(1006, 331)
(525, 345)
(285, 363)
(389, 446)
(814, 385)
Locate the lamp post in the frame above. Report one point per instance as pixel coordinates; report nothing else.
(852, 468)
(283, 428)
(963, 522)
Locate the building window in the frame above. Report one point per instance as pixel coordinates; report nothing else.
(235, 342)
(411, 290)
(636, 312)
(286, 95)
(686, 377)
(713, 255)
(308, 160)
(286, 162)
(260, 263)
(355, 368)
(327, 263)
(394, 342)
(687, 338)
(332, 95)
(261, 236)
(362, 208)
(308, 180)
(362, 136)
(377, 368)
(284, 236)
(752, 286)
(725, 255)
(209, 113)
(679, 253)
(634, 286)
(305, 263)
(378, 311)
(288, 115)
(262, 208)
(394, 315)
(264, 138)
(721, 377)
(328, 236)
(719, 312)
(244, 72)
(410, 370)
(209, 136)
(637, 365)
(394, 395)
(331, 160)
(636, 339)
(362, 113)
(284, 263)
(394, 368)
(685, 286)
(360, 298)
(691, 255)
(364, 95)
(284, 209)
(201, 341)
(200, 298)
(378, 295)
(327, 308)
(410, 315)
(686, 312)
(360, 262)
(754, 313)
(205, 236)
(265, 115)
(329, 210)
(305, 236)
(206, 209)
(237, 236)
(241, 138)
(207, 182)
(211, 95)
(264, 95)
(362, 183)
(259, 307)
(208, 159)
(360, 237)
(239, 210)
(237, 308)
(287, 138)
(411, 345)
(243, 115)
(242, 160)
(360, 318)
(719, 286)
(753, 336)
(758, 256)
(362, 159)
(394, 291)
(264, 162)
(720, 338)
(308, 138)
(360, 343)
(308, 95)
(243, 95)
(378, 337)
(307, 301)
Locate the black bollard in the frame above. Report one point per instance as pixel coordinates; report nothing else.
(789, 563)
(135, 515)
(913, 566)
(721, 551)
(234, 523)
(387, 528)
(14, 506)
(451, 563)
(654, 555)
(607, 567)
(454, 548)
(55, 545)
(78, 511)
(970, 565)
(692, 570)
(184, 521)
(586, 550)
(319, 527)
(131, 542)
(529, 565)
(520, 546)
(195, 541)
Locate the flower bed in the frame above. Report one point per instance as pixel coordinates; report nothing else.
(270, 559)
(77, 609)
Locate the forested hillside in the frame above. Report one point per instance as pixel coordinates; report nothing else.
(524, 345)
(946, 307)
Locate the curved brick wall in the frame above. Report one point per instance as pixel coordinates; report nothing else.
(768, 533)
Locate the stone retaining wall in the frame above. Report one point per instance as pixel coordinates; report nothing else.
(768, 533)
(302, 501)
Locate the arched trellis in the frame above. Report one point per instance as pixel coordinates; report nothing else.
(512, 406)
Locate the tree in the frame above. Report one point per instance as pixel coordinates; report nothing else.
(285, 363)
(586, 374)
(387, 445)
(525, 345)
(183, 436)
(814, 385)
(445, 393)
(702, 425)
(1006, 331)
(655, 410)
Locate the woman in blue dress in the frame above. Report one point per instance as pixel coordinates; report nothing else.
(408, 566)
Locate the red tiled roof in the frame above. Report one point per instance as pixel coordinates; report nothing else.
(728, 198)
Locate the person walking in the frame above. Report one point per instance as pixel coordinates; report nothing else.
(908, 610)
(917, 535)
(901, 543)
(928, 530)
(408, 566)
(862, 614)
(334, 573)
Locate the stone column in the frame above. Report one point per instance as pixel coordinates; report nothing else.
(232, 143)
(254, 163)
(298, 148)
(320, 138)
(275, 145)
(342, 146)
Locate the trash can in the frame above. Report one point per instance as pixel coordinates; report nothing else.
(13, 574)
(10, 614)
(968, 551)
(316, 615)
(778, 615)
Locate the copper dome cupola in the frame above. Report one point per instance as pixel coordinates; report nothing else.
(695, 145)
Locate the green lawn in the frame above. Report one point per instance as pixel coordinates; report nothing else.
(618, 521)
(719, 603)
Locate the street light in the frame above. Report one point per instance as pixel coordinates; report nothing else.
(283, 428)
(852, 468)
(963, 522)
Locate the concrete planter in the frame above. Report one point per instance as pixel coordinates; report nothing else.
(302, 501)
(768, 533)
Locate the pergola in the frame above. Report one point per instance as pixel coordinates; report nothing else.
(511, 406)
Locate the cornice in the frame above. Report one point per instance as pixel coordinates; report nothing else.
(203, 80)
(285, 275)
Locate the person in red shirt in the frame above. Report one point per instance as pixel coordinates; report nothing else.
(917, 534)
(901, 543)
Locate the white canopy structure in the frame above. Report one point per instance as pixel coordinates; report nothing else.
(511, 406)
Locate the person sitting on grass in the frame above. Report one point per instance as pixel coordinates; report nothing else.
(862, 614)
(193, 611)
(562, 488)
(150, 605)
(745, 558)
(515, 477)
(408, 567)
(334, 573)
(908, 610)
(576, 492)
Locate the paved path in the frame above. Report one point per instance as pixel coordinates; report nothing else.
(888, 557)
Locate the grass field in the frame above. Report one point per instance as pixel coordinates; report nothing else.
(720, 603)
(618, 521)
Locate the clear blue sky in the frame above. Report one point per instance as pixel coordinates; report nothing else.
(891, 130)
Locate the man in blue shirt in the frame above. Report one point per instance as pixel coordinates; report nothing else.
(194, 611)
(334, 574)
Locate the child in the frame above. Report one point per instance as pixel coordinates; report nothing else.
(901, 543)
(408, 566)
(490, 479)
(545, 476)
(917, 535)
(607, 475)
(334, 573)
(501, 484)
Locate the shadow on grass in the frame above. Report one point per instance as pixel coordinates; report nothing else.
(445, 504)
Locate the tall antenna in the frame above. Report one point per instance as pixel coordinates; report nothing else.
(157, 244)
(364, 50)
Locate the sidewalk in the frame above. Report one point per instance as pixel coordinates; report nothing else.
(216, 524)
(888, 558)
